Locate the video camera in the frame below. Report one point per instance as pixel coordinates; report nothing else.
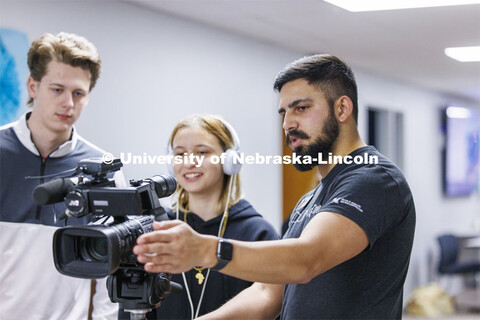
(98, 250)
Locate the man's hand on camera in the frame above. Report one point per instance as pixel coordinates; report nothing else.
(175, 247)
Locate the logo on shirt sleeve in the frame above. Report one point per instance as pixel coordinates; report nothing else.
(304, 202)
(348, 203)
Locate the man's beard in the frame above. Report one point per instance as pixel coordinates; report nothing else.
(322, 145)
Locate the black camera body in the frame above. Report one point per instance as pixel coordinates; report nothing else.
(100, 197)
(98, 250)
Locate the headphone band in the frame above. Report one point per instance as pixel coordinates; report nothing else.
(230, 166)
(236, 139)
(226, 124)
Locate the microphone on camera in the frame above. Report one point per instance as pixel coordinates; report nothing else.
(53, 191)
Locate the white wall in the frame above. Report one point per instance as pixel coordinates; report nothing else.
(158, 69)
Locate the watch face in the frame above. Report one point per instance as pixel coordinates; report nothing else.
(225, 250)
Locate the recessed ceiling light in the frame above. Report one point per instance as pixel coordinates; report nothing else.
(375, 5)
(464, 54)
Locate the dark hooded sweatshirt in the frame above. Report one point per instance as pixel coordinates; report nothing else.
(245, 224)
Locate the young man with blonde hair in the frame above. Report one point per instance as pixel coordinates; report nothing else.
(63, 70)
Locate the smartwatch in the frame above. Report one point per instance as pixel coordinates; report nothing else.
(224, 253)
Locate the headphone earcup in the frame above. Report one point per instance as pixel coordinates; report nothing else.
(230, 165)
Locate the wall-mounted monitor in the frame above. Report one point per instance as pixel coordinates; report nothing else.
(461, 154)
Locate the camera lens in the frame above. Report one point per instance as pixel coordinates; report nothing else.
(95, 248)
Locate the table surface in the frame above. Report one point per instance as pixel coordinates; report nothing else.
(473, 243)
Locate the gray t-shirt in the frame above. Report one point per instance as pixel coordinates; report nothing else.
(370, 285)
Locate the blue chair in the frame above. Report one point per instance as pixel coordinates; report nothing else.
(449, 264)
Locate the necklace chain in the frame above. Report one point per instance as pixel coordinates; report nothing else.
(199, 276)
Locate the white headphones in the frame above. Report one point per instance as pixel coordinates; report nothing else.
(230, 166)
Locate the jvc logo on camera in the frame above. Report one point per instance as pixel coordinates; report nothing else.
(74, 203)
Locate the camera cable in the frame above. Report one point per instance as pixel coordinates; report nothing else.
(54, 175)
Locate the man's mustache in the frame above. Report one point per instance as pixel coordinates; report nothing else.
(297, 134)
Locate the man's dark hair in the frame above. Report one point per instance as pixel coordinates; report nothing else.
(330, 74)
